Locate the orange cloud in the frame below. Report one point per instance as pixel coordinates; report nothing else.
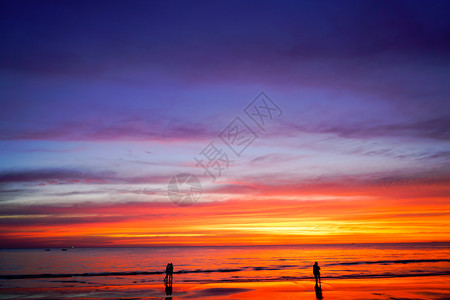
(390, 214)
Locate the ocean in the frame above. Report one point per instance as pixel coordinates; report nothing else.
(91, 267)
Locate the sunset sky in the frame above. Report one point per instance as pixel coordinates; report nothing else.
(103, 102)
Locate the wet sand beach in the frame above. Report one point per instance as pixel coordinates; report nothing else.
(429, 287)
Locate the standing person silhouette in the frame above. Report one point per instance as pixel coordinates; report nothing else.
(167, 272)
(316, 272)
(170, 272)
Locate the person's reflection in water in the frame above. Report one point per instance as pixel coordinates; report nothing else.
(168, 289)
(318, 289)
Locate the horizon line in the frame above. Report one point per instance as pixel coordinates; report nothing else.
(260, 245)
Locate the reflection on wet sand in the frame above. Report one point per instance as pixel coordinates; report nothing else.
(318, 289)
(168, 288)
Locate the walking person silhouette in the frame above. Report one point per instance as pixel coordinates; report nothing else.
(316, 272)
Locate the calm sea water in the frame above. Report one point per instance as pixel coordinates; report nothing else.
(99, 266)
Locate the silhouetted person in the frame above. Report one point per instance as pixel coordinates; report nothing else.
(318, 290)
(316, 272)
(169, 273)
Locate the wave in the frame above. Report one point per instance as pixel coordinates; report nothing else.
(240, 279)
(298, 278)
(388, 262)
(131, 273)
(28, 276)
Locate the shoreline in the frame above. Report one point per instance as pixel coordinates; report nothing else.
(430, 287)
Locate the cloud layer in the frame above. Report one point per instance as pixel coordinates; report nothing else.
(98, 115)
